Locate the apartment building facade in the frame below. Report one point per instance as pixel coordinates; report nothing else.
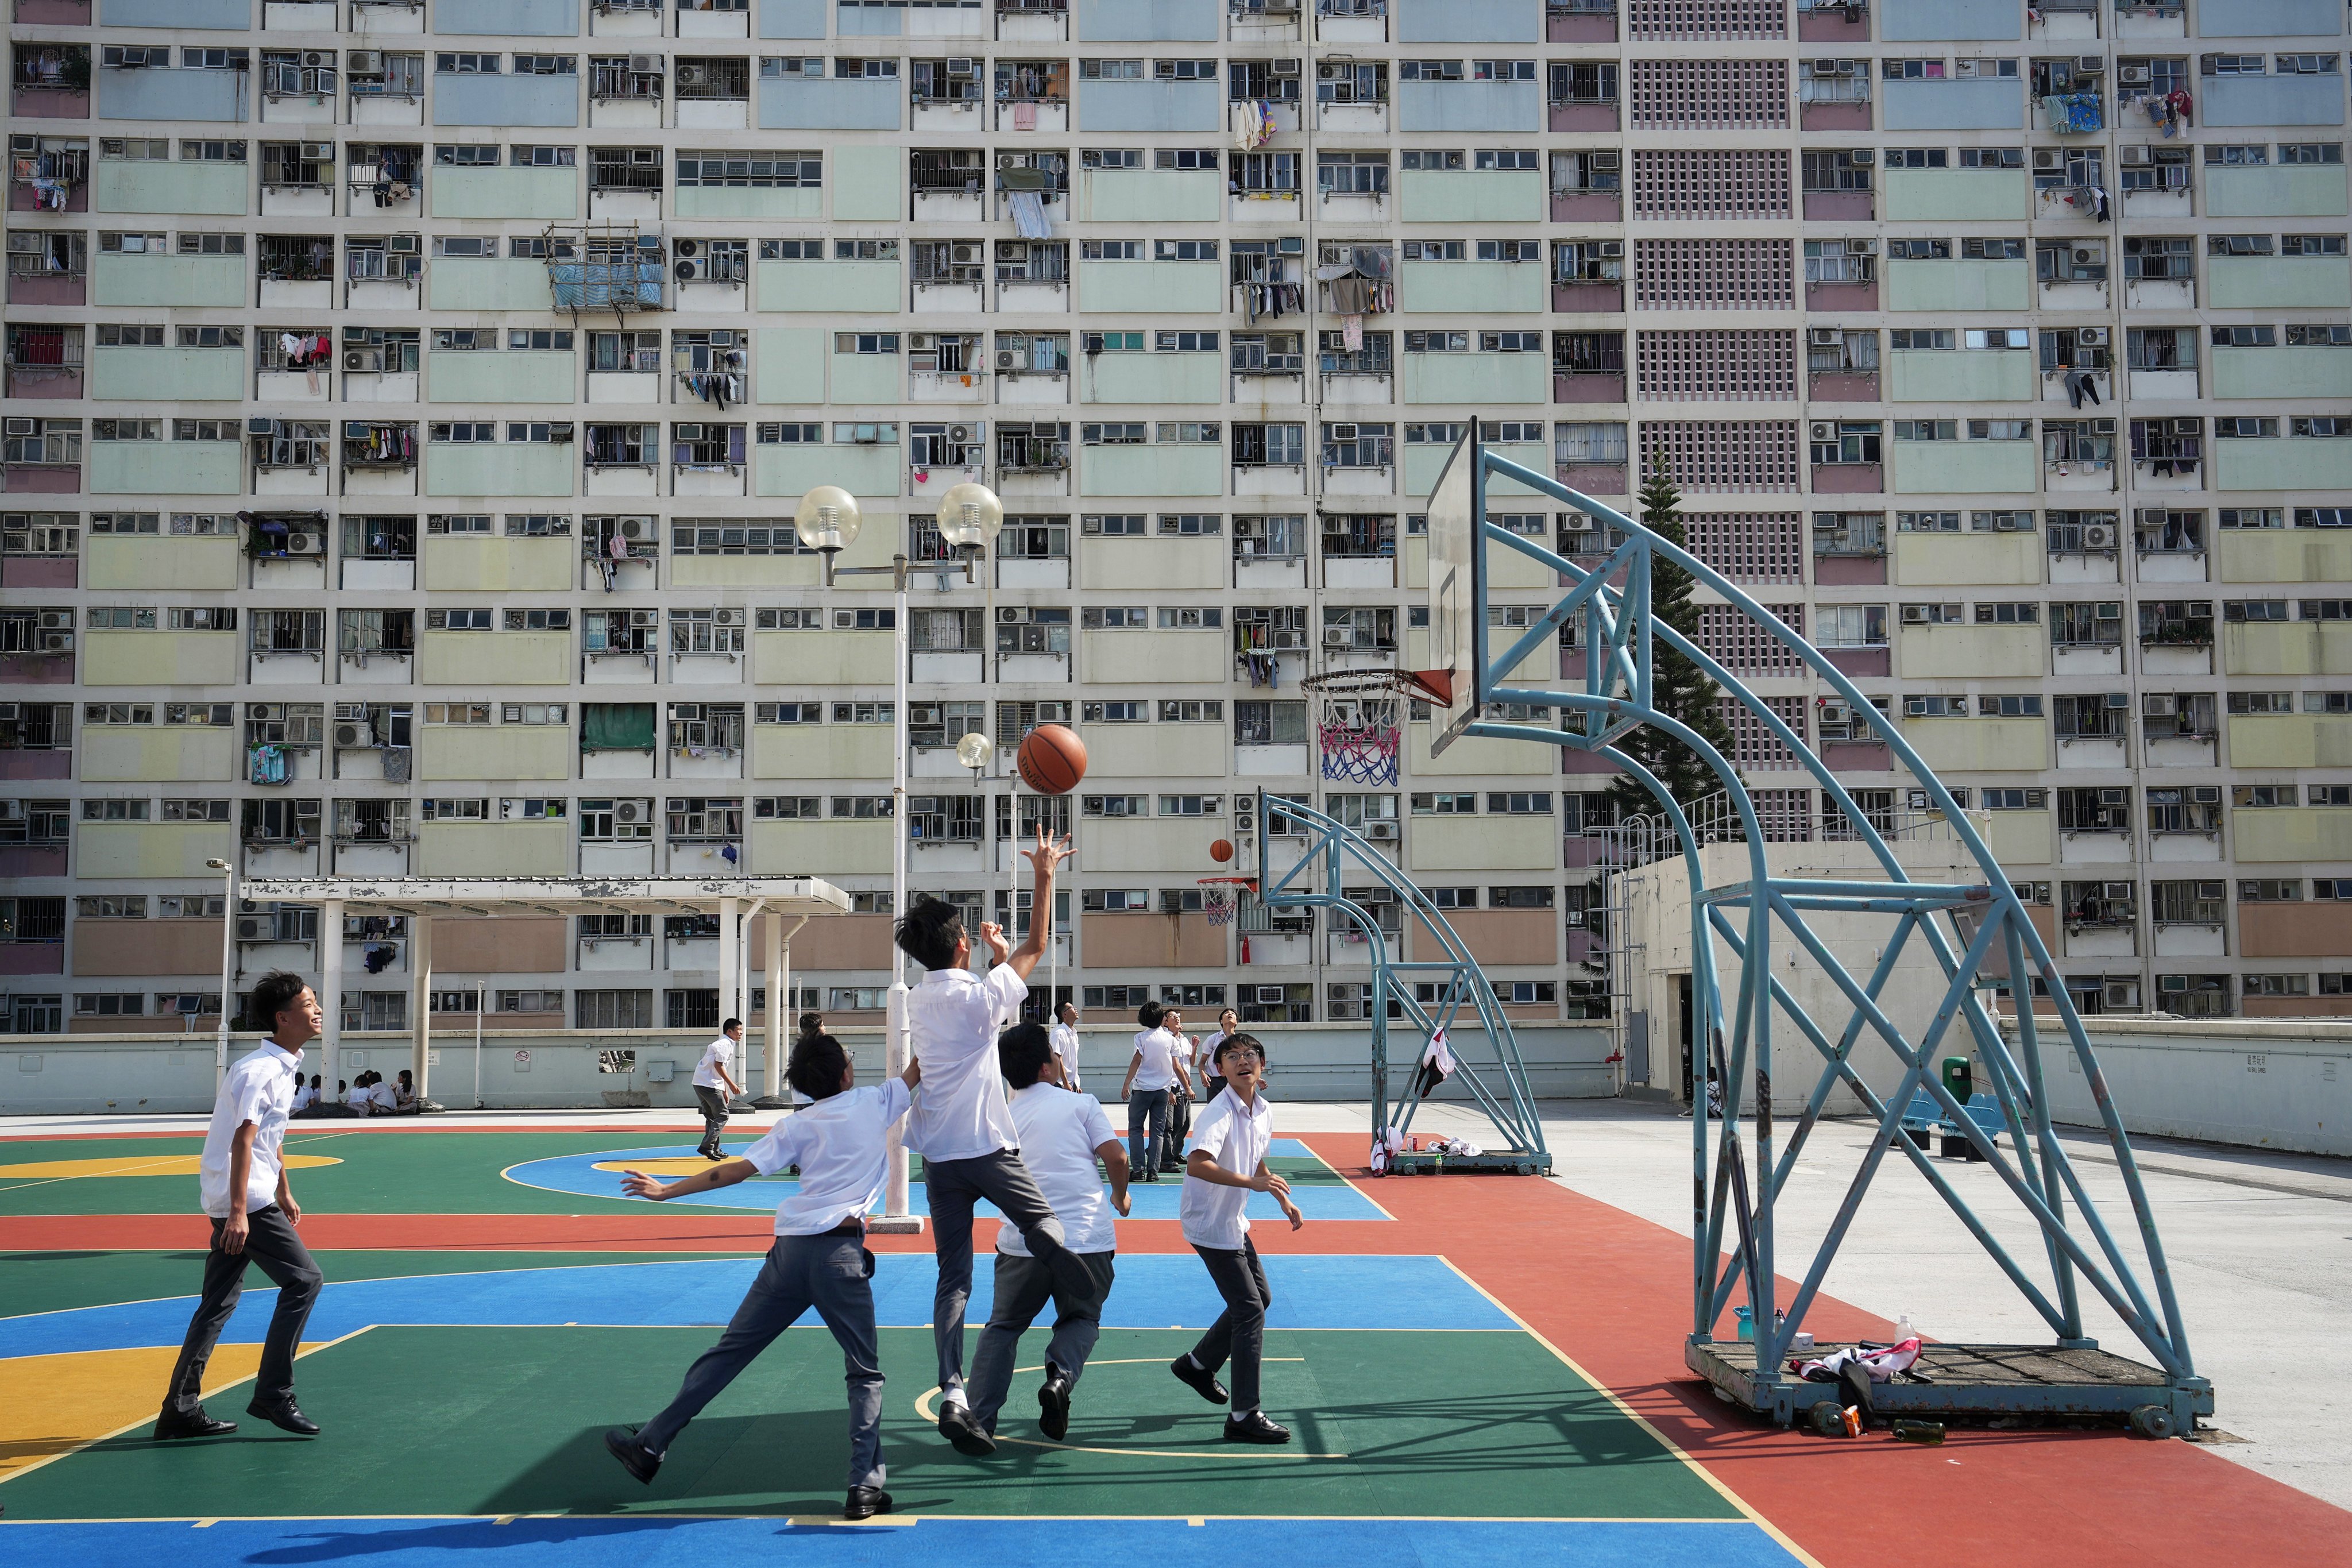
(407, 402)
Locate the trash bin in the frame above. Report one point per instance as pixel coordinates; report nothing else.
(1959, 1077)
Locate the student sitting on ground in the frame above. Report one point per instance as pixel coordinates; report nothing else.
(404, 1097)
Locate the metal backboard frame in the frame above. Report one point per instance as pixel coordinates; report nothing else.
(1457, 586)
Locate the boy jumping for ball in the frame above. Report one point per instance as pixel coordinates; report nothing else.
(819, 1259)
(1225, 1163)
(961, 1124)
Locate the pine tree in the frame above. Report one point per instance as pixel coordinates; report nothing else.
(1677, 685)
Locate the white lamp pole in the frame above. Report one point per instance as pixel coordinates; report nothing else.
(827, 522)
(228, 971)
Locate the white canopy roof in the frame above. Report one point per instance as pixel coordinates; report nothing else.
(462, 895)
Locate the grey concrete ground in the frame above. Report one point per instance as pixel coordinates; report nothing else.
(2260, 1245)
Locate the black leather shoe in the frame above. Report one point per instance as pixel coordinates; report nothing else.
(1254, 1428)
(957, 1427)
(284, 1415)
(865, 1502)
(1072, 1283)
(1201, 1381)
(171, 1427)
(1053, 1407)
(636, 1457)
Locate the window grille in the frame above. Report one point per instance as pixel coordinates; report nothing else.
(1722, 95)
(1726, 456)
(1716, 366)
(1714, 275)
(1679, 184)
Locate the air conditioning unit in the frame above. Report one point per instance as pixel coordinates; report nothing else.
(1342, 432)
(363, 359)
(2155, 706)
(2121, 993)
(2090, 337)
(1826, 68)
(2047, 159)
(318, 152)
(1605, 160)
(2088, 256)
(637, 527)
(1268, 994)
(722, 340)
(256, 928)
(728, 618)
(365, 62)
(686, 433)
(960, 67)
(1288, 639)
(2136, 157)
(691, 74)
(1847, 68)
(1609, 249)
(963, 255)
(56, 642)
(645, 65)
(1915, 707)
(628, 811)
(960, 434)
(1863, 157)
(692, 271)
(1008, 360)
(2186, 426)
(1823, 430)
(261, 426)
(2204, 795)
(402, 245)
(2090, 65)
(1009, 617)
(2114, 797)
(2134, 75)
(1861, 247)
(1339, 636)
(1825, 337)
(2099, 536)
(355, 736)
(1915, 614)
(1379, 830)
(305, 545)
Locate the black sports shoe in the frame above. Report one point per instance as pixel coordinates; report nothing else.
(636, 1457)
(865, 1502)
(1254, 1428)
(171, 1426)
(284, 1415)
(957, 1427)
(1201, 1380)
(1053, 1405)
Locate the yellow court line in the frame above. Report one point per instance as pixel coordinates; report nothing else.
(922, 1409)
(1671, 1447)
(300, 1353)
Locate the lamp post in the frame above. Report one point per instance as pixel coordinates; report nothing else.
(827, 522)
(228, 970)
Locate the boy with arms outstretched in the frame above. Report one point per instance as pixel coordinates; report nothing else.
(961, 1124)
(819, 1259)
(1063, 1133)
(1225, 1164)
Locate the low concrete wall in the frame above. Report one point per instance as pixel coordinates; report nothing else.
(2283, 1085)
(73, 1075)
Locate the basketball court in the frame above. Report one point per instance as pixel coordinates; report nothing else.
(1478, 1369)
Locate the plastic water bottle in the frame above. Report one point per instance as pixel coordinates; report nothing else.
(1747, 1316)
(1902, 1329)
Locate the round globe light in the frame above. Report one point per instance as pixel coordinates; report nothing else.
(974, 750)
(969, 517)
(827, 519)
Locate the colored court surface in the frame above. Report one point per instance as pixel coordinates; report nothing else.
(1490, 1373)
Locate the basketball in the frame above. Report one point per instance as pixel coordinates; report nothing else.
(1221, 850)
(1052, 759)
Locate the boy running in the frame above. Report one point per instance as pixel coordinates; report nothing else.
(961, 1126)
(819, 1259)
(1225, 1163)
(1063, 1133)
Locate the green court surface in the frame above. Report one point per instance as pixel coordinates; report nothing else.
(60, 1281)
(378, 1172)
(503, 1421)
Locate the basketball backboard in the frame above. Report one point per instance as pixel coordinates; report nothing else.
(1457, 588)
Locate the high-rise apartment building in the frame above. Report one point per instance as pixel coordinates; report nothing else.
(407, 401)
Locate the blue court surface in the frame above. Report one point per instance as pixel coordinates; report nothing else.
(597, 1175)
(1154, 1290)
(930, 1541)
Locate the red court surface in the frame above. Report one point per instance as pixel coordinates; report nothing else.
(1609, 1291)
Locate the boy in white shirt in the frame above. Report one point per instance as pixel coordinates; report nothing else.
(714, 1085)
(1225, 1163)
(1062, 1135)
(1182, 1056)
(1064, 1041)
(961, 1124)
(819, 1259)
(1150, 1084)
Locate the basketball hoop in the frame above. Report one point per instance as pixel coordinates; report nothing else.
(1358, 721)
(1218, 904)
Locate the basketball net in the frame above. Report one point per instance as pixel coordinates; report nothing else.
(1218, 899)
(1358, 726)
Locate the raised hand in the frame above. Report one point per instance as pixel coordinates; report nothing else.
(1048, 854)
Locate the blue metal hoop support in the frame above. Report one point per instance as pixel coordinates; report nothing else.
(1988, 925)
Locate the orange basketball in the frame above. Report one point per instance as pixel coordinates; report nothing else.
(1221, 850)
(1052, 759)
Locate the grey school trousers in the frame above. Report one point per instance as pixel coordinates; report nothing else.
(1024, 1286)
(713, 1103)
(1240, 1330)
(953, 1186)
(270, 1242)
(833, 1273)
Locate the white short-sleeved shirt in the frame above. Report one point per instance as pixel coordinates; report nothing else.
(1236, 1137)
(719, 1052)
(1209, 1045)
(1159, 1067)
(260, 1088)
(953, 1016)
(1065, 1042)
(839, 1143)
(380, 1094)
(1059, 1134)
(305, 1097)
